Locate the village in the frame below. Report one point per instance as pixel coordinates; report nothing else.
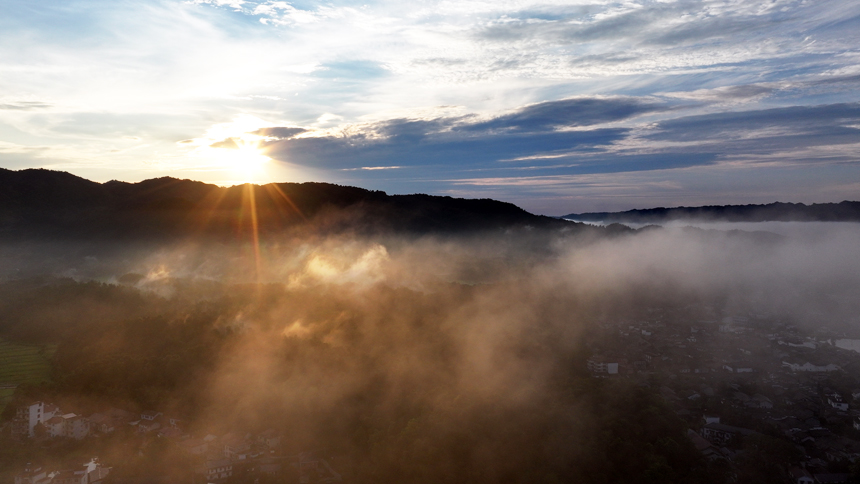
(213, 458)
(733, 376)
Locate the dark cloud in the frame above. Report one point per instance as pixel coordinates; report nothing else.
(406, 145)
(637, 162)
(837, 80)
(468, 139)
(414, 130)
(279, 132)
(707, 28)
(690, 23)
(528, 142)
(569, 112)
(561, 28)
(744, 92)
(809, 122)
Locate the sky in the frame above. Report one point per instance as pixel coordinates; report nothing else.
(557, 106)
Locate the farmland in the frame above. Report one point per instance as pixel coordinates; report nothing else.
(21, 363)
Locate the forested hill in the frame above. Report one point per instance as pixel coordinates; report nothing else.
(781, 212)
(38, 202)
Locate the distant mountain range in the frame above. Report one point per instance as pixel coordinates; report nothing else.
(58, 205)
(781, 212)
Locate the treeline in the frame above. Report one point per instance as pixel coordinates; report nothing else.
(845, 211)
(52, 205)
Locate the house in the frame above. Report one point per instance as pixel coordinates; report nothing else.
(720, 434)
(75, 426)
(92, 473)
(800, 476)
(150, 415)
(217, 470)
(309, 466)
(102, 423)
(835, 400)
(33, 475)
(170, 433)
(120, 416)
(31, 415)
(69, 425)
(832, 478)
(194, 446)
(235, 445)
(270, 438)
(96, 473)
(703, 446)
(56, 427)
(270, 466)
(809, 367)
(741, 397)
(759, 401)
(176, 423)
(145, 426)
(601, 365)
(70, 477)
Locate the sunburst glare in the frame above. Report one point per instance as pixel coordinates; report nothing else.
(244, 162)
(234, 150)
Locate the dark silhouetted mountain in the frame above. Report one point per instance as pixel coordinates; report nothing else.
(51, 204)
(780, 212)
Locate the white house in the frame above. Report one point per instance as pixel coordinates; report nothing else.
(598, 364)
(835, 400)
(35, 413)
(809, 367)
(218, 469)
(55, 426)
(76, 426)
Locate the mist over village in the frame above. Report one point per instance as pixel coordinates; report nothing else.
(258, 241)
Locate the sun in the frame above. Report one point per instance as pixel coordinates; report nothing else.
(233, 152)
(248, 162)
(242, 159)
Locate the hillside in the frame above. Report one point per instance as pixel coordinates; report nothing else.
(58, 205)
(782, 212)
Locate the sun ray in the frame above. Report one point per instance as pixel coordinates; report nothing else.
(255, 230)
(274, 187)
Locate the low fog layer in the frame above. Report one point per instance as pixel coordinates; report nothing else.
(789, 269)
(422, 359)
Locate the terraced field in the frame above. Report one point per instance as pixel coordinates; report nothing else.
(21, 363)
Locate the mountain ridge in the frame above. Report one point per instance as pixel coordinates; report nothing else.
(54, 204)
(845, 211)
